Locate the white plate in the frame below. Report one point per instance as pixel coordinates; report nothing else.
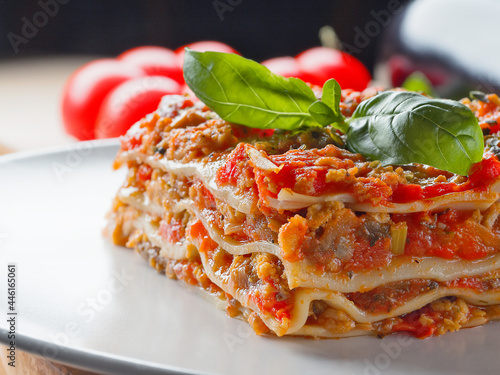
(87, 303)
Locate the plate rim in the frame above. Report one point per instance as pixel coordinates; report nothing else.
(54, 150)
(92, 360)
(81, 358)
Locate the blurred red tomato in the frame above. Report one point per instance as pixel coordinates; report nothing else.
(285, 66)
(206, 45)
(320, 64)
(155, 61)
(87, 88)
(131, 101)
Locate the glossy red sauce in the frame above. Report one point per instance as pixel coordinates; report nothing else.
(279, 309)
(412, 325)
(185, 270)
(298, 171)
(171, 232)
(198, 232)
(242, 132)
(144, 172)
(273, 303)
(449, 235)
(366, 257)
(483, 174)
(388, 297)
(131, 141)
(232, 168)
(469, 283)
(478, 284)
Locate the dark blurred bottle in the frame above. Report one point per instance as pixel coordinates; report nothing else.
(455, 43)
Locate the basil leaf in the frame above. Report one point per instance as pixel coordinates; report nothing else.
(321, 113)
(247, 93)
(327, 111)
(405, 127)
(418, 82)
(331, 97)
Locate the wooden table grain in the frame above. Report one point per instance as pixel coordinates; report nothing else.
(29, 364)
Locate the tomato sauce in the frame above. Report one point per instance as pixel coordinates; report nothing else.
(478, 284)
(485, 108)
(131, 140)
(366, 257)
(172, 232)
(243, 132)
(232, 168)
(144, 172)
(198, 232)
(448, 235)
(483, 174)
(390, 296)
(404, 193)
(273, 303)
(302, 171)
(469, 283)
(185, 270)
(270, 304)
(412, 324)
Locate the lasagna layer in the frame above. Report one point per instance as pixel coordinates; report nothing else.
(256, 281)
(301, 237)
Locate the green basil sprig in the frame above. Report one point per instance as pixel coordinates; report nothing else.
(247, 93)
(394, 127)
(406, 127)
(327, 111)
(418, 82)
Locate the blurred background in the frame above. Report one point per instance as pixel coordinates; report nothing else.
(453, 42)
(258, 29)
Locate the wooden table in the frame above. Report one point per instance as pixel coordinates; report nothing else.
(30, 91)
(28, 364)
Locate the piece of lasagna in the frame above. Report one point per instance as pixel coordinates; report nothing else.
(299, 236)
